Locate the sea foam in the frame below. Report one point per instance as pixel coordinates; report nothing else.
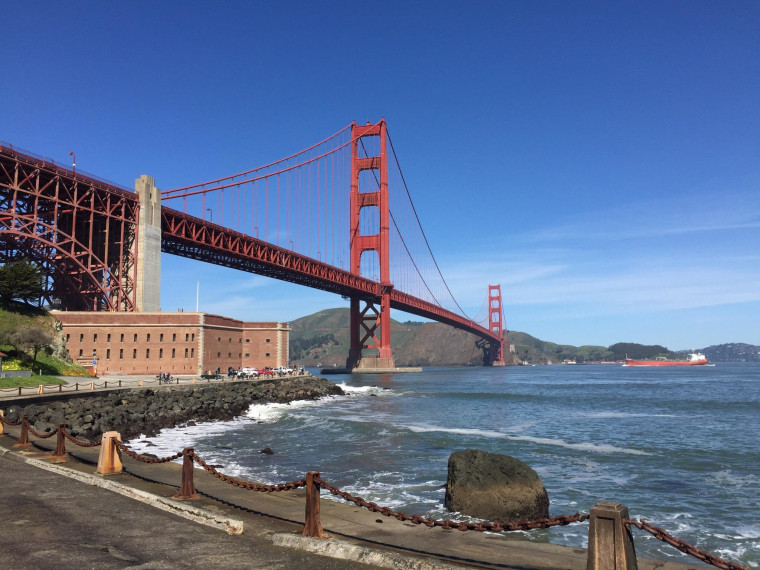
(593, 447)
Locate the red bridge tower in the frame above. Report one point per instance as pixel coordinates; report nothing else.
(495, 324)
(371, 324)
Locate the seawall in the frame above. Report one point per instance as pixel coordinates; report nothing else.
(146, 411)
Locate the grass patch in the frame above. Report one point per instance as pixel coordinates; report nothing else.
(29, 381)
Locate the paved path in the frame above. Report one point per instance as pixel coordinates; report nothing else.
(53, 522)
(83, 386)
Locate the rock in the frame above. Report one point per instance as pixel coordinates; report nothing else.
(267, 451)
(494, 487)
(147, 411)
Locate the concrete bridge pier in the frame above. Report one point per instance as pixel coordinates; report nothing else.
(148, 270)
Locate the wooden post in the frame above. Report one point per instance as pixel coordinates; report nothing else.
(59, 455)
(187, 488)
(109, 461)
(312, 525)
(610, 545)
(23, 440)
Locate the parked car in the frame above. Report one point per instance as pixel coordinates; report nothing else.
(248, 371)
(284, 370)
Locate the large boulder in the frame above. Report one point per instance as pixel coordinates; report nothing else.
(494, 487)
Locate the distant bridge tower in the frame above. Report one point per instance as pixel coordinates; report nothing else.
(495, 324)
(370, 326)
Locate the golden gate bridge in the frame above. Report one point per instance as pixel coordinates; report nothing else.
(337, 216)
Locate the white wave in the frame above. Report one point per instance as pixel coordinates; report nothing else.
(274, 412)
(363, 389)
(617, 415)
(728, 479)
(172, 440)
(461, 431)
(594, 447)
(744, 532)
(390, 490)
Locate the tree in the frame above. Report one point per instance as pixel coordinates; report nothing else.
(31, 338)
(20, 280)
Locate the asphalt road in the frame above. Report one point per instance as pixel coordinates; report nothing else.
(51, 521)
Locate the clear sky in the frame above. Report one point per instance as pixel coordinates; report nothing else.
(600, 160)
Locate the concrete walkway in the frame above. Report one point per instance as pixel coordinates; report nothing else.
(82, 386)
(112, 529)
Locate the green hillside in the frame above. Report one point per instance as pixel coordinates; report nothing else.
(52, 359)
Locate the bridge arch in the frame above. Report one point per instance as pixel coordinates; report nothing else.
(80, 230)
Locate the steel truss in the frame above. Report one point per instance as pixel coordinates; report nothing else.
(81, 231)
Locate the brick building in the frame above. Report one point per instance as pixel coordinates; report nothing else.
(178, 343)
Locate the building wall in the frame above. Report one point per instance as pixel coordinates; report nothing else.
(262, 344)
(178, 343)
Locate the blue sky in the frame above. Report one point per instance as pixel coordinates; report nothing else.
(600, 160)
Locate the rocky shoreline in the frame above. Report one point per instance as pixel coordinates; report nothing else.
(147, 411)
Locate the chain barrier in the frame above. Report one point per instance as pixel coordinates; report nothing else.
(37, 434)
(248, 484)
(561, 520)
(683, 546)
(450, 525)
(8, 422)
(80, 442)
(145, 458)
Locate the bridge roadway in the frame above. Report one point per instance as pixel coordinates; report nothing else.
(191, 237)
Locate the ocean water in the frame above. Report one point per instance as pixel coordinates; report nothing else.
(680, 447)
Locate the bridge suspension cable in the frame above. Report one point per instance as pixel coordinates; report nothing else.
(300, 202)
(416, 221)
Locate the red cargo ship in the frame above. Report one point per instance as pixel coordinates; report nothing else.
(694, 359)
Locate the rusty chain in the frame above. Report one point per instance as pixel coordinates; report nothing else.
(37, 434)
(80, 442)
(683, 546)
(450, 525)
(145, 458)
(248, 484)
(9, 423)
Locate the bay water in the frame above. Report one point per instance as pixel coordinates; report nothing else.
(679, 446)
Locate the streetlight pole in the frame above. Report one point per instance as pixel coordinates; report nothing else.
(74, 162)
(211, 214)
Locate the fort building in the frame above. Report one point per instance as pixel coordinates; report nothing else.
(177, 343)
